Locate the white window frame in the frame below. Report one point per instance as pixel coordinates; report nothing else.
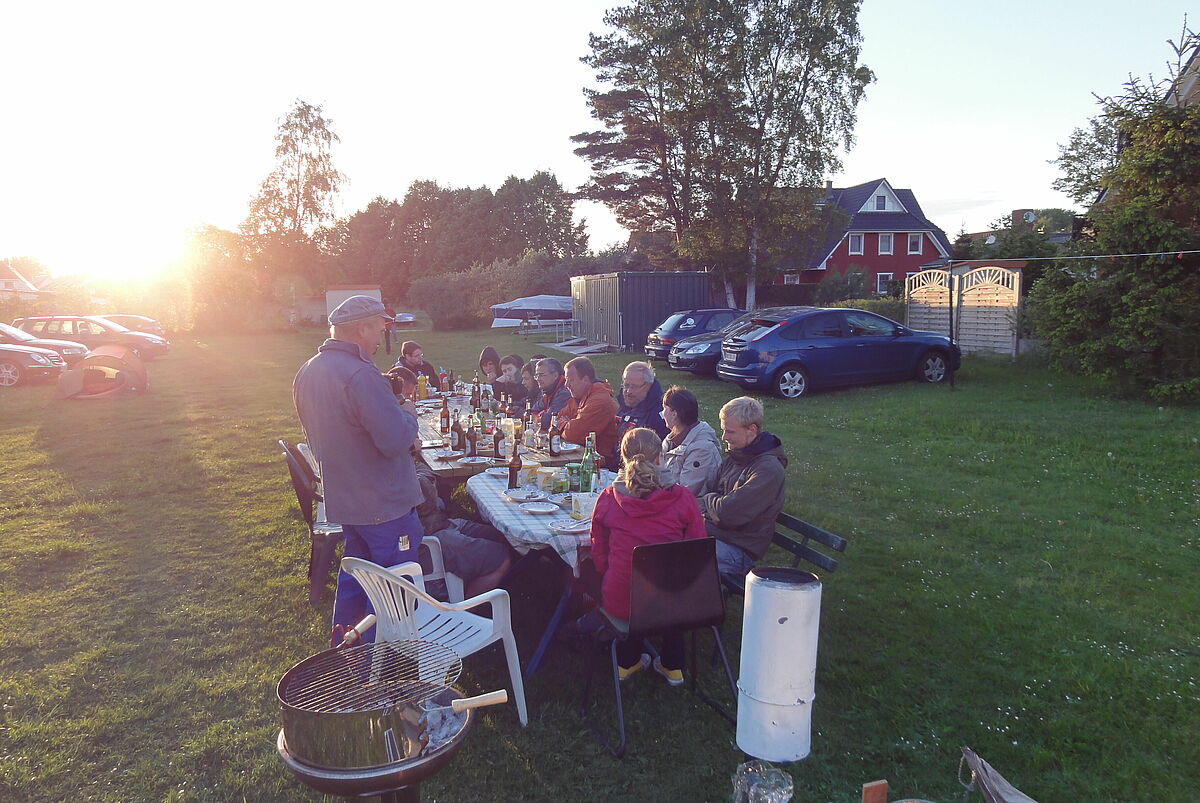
(880, 203)
(890, 244)
(791, 278)
(881, 280)
(920, 241)
(850, 244)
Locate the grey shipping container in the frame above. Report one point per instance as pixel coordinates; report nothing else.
(621, 309)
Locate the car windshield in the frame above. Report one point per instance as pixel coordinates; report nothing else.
(670, 322)
(16, 333)
(735, 324)
(755, 327)
(109, 325)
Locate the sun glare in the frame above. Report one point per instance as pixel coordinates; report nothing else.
(112, 260)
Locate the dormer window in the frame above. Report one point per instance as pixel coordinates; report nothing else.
(880, 203)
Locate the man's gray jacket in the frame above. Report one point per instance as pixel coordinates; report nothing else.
(359, 435)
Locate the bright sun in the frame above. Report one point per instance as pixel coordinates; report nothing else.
(117, 258)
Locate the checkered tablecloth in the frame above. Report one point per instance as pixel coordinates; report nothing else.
(526, 531)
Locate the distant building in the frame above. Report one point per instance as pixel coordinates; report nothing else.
(886, 235)
(12, 283)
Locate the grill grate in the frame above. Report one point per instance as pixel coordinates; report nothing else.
(370, 677)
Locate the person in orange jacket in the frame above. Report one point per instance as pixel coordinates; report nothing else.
(592, 408)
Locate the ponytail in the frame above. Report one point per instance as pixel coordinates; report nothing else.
(640, 473)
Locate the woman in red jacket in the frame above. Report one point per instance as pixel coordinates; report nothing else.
(641, 507)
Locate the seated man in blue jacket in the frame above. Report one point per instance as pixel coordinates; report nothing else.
(639, 403)
(553, 395)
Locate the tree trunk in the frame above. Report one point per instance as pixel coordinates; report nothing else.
(730, 301)
(752, 273)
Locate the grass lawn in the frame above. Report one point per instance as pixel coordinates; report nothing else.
(1020, 579)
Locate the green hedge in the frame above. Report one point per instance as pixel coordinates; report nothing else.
(887, 307)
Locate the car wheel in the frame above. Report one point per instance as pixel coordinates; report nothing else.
(791, 382)
(10, 374)
(932, 367)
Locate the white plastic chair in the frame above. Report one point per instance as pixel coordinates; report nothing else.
(406, 612)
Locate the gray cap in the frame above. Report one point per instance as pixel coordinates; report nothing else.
(358, 308)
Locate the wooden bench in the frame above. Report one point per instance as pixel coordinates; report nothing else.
(787, 528)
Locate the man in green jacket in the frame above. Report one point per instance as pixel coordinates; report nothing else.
(740, 506)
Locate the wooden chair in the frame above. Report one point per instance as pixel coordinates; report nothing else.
(674, 587)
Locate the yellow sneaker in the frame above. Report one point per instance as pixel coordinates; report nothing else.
(624, 673)
(673, 676)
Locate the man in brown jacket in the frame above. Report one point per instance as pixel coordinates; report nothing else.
(741, 505)
(592, 408)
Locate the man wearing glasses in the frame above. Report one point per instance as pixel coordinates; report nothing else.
(548, 372)
(640, 402)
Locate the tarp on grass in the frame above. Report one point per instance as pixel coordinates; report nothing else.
(105, 372)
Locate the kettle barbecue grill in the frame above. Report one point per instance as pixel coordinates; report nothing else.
(375, 719)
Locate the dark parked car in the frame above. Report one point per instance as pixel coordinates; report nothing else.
(21, 363)
(791, 350)
(700, 353)
(93, 331)
(70, 351)
(138, 323)
(683, 324)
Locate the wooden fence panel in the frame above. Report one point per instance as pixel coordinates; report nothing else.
(989, 301)
(927, 297)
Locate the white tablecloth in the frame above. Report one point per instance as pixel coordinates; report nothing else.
(526, 531)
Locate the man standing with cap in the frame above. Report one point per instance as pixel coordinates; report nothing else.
(360, 435)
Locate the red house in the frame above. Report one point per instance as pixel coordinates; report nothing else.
(886, 235)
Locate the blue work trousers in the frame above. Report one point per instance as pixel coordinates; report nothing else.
(378, 543)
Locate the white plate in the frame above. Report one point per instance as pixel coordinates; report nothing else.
(558, 499)
(539, 507)
(498, 471)
(569, 447)
(474, 461)
(524, 494)
(446, 454)
(571, 527)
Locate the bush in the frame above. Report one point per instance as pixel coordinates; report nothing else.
(887, 307)
(840, 286)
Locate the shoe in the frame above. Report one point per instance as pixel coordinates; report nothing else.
(673, 676)
(624, 674)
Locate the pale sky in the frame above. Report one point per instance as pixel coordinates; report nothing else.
(124, 124)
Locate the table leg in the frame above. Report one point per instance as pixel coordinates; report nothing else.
(560, 610)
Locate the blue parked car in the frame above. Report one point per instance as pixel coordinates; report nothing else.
(792, 350)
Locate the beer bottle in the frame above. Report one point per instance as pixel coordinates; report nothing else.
(587, 466)
(555, 440)
(498, 443)
(472, 442)
(456, 433)
(514, 466)
(445, 417)
(422, 385)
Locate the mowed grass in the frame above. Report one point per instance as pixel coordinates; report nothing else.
(1020, 579)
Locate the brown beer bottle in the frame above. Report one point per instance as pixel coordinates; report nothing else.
(498, 442)
(555, 440)
(456, 434)
(514, 464)
(445, 420)
(475, 394)
(472, 442)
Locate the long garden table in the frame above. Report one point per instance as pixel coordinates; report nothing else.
(527, 532)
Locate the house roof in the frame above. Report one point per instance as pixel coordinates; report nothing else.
(8, 274)
(852, 199)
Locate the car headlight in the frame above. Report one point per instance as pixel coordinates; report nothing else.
(700, 349)
(38, 358)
